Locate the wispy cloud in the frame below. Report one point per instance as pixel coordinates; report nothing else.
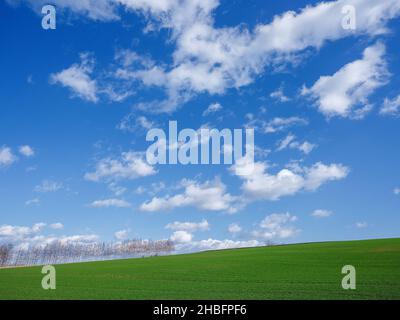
(321, 213)
(107, 203)
(48, 186)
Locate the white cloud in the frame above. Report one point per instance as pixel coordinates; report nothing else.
(279, 95)
(131, 165)
(391, 107)
(34, 201)
(210, 195)
(234, 228)
(56, 226)
(212, 108)
(181, 237)
(210, 59)
(280, 124)
(80, 238)
(116, 189)
(140, 190)
(214, 244)
(306, 147)
(26, 151)
(77, 79)
(276, 226)
(7, 158)
(361, 225)
(189, 226)
(15, 232)
(320, 173)
(24, 236)
(321, 213)
(350, 87)
(262, 185)
(284, 143)
(274, 125)
(18, 232)
(107, 203)
(48, 186)
(291, 142)
(38, 227)
(396, 191)
(121, 234)
(133, 123)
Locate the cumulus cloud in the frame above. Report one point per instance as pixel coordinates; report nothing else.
(263, 185)
(7, 158)
(131, 165)
(391, 107)
(15, 232)
(24, 236)
(321, 213)
(189, 226)
(210, 195)
(26, 151)
(209, 59)
(181, 236)
(77, 79)
(107, 203)
(212, 59)
(215, 244)
(350, 87)
(276, 226)
(234, 228)
(48, 186)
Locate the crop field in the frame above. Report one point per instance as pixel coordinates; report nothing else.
(300, 271)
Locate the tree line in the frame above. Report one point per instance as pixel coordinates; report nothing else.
(65, 252)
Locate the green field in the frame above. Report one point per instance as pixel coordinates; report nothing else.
(301, 271)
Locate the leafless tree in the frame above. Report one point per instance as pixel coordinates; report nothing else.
(5, 254)
(64, 252)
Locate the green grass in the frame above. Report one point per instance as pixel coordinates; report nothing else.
(301, 271)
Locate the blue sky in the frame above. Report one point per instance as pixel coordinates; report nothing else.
(323, 100)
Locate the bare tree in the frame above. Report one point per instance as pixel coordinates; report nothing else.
(5, 254)
(63, 252)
